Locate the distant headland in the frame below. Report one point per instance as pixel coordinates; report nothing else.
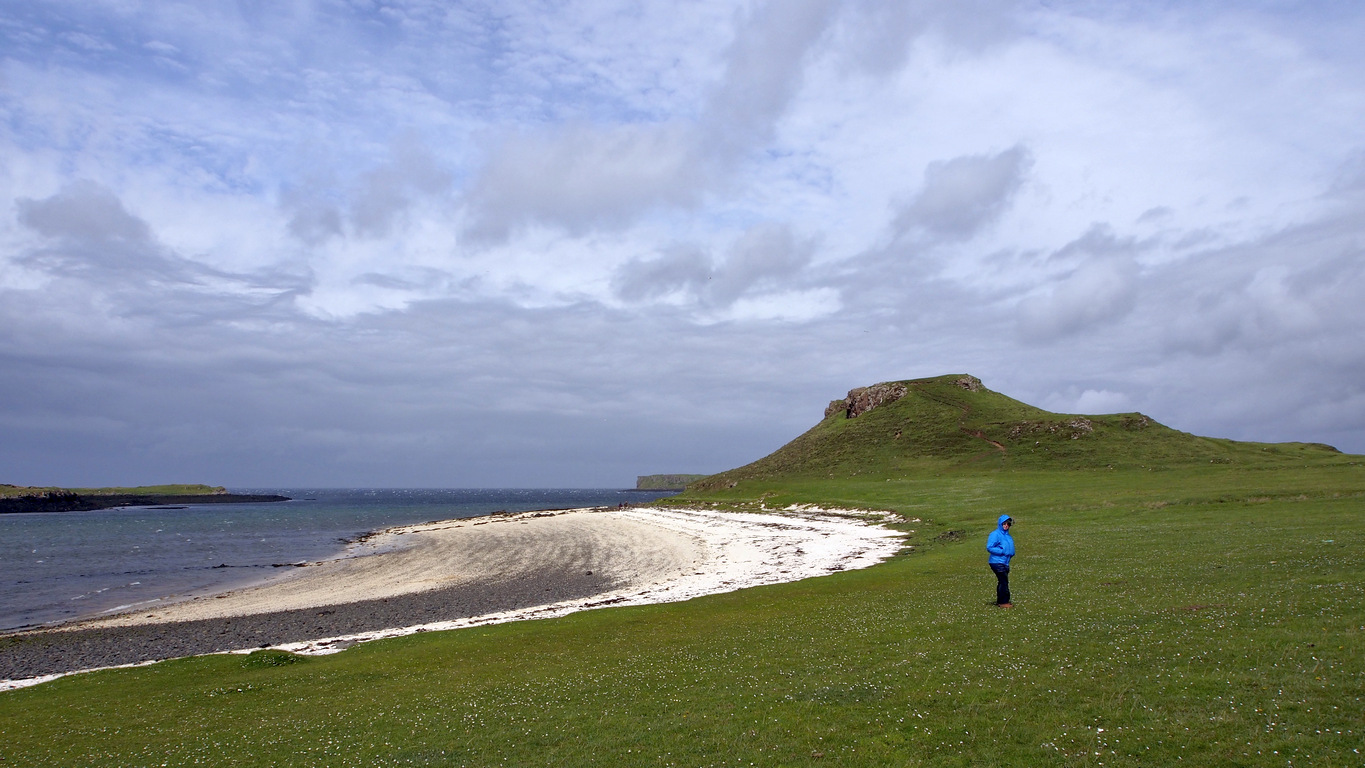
(18, 498)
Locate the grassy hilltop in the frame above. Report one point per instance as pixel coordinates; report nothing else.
(956, 423)
(1179, 601)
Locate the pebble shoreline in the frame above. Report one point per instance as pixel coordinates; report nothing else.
(35, 653)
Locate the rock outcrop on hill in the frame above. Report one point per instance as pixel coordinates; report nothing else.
(860, 400)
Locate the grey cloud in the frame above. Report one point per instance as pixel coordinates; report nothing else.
(388, 190)
(1154, 215)
(1195, 238)
(385, 281)
(878, 34)
(1098, 241)
(1299, 288)
(677, 269)
(1213, 321)
(962, 196)
(1349, 183)
(974, 25)
(765, 257)
(445, 394)
(409, 279)
(313, 218)
(84, 211)
(450, 393)
(321, 208)
(1100, 288)
(765, 69)
(1256, 341)
(98, 248)
(89, 231)
(582, 176)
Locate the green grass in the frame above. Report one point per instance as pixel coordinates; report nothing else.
(11, 491)
(1205, 615)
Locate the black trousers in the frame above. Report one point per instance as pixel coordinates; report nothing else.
(1002, 583)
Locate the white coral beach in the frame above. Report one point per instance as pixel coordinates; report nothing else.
(665, 555)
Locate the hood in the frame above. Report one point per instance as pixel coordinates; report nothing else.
(1000, 523)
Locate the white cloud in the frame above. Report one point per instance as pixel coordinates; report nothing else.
(793, 306)
(1102, 401)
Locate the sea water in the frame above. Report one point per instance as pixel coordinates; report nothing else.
(58, 566)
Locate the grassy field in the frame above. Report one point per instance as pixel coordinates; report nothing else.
(1208, 616)
(1179, 601)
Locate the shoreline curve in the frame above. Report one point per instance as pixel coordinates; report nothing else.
(470, 572)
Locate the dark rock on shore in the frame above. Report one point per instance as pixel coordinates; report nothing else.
(66, 501)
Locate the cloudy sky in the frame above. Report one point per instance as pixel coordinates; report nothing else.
(456, 244)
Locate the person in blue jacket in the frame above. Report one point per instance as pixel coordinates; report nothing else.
(1001, 547)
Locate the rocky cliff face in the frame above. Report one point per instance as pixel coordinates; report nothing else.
(970, 383)
(863, 399)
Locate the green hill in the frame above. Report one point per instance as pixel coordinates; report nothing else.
(896, 428)
(665, 482)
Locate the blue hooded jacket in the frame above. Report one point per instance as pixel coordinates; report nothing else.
(1000, 544)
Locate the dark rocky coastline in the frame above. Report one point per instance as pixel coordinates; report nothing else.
(43, 652)
(64, 501)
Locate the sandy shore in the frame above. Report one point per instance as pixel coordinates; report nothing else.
(463, 573)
